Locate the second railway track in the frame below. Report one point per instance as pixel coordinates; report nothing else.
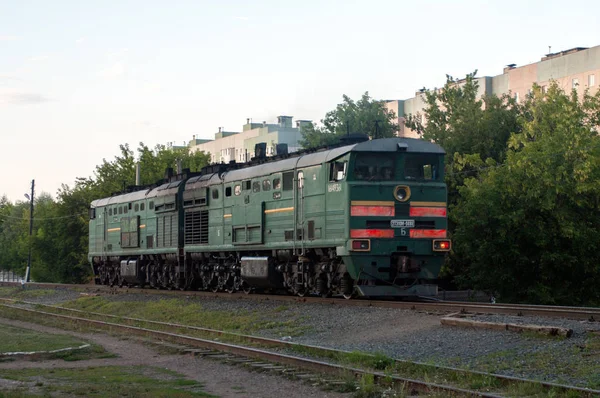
(268, 350)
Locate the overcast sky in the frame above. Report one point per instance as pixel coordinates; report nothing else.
(78, 78)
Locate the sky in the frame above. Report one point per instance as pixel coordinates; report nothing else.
(80, 78)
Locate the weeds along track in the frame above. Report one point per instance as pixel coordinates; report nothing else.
(410, 375)
(579, 313)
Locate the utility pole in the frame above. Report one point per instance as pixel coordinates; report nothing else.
(30, 229)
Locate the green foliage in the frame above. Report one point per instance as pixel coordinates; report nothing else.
(529, 230)
(474, 129)
(365, 116)
(461, 122)
(14, 230)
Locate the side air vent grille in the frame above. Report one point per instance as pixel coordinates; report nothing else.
(196, 227)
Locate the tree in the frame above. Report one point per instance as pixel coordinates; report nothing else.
(366, 116)
(530, 229)
(14, 229)
(462, 123)
(474, 132)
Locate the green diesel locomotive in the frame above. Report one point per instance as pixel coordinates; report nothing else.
(368, 219)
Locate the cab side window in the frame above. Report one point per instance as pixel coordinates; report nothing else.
(338, 171)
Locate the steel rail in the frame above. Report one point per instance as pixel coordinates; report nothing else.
(318, 349)
(579, 313)
(304, 363)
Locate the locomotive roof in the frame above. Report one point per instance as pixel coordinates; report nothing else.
(305, 160)
(399, 143)
(161, 190)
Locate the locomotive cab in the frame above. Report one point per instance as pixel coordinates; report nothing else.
(397, 221)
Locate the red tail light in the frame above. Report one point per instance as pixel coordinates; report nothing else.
(371, 233)
(427, 233)
(384, 211)
(442, 245)
(427, 212)
(363, 245)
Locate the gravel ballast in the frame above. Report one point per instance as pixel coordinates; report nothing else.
(417, 336)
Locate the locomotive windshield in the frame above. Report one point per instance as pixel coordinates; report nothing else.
(422, 166)
(374, 166)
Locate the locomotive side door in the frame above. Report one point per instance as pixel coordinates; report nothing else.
(299, 212)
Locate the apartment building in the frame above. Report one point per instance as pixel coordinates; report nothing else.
(239, 146)
(577, 68)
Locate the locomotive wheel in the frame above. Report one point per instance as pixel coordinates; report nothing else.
(246, 288)
(349, 296)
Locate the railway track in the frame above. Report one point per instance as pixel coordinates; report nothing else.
(579, 313)
(256, 348)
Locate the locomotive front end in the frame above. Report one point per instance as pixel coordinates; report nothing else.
(397, 220)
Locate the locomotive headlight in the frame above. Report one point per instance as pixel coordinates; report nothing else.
(441, 245)
(363, 245)
(402, 193)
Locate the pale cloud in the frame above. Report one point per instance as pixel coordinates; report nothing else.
(6, 79)
(241, 18)
(39, 58)
(8, 38)
(118, 53)
(17, 98)
(80, 40)
(152, 87)
(114, 71)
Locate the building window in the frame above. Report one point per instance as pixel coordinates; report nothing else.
(591, 80)
(517, 97)
(575, 83)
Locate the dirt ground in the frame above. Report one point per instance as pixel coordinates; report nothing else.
(218, 378)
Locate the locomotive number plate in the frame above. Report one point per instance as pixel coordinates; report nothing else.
(402, 223)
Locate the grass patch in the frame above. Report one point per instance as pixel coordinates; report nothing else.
(14, 339)
(192, 314)
(114, 381)
(566, 364)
